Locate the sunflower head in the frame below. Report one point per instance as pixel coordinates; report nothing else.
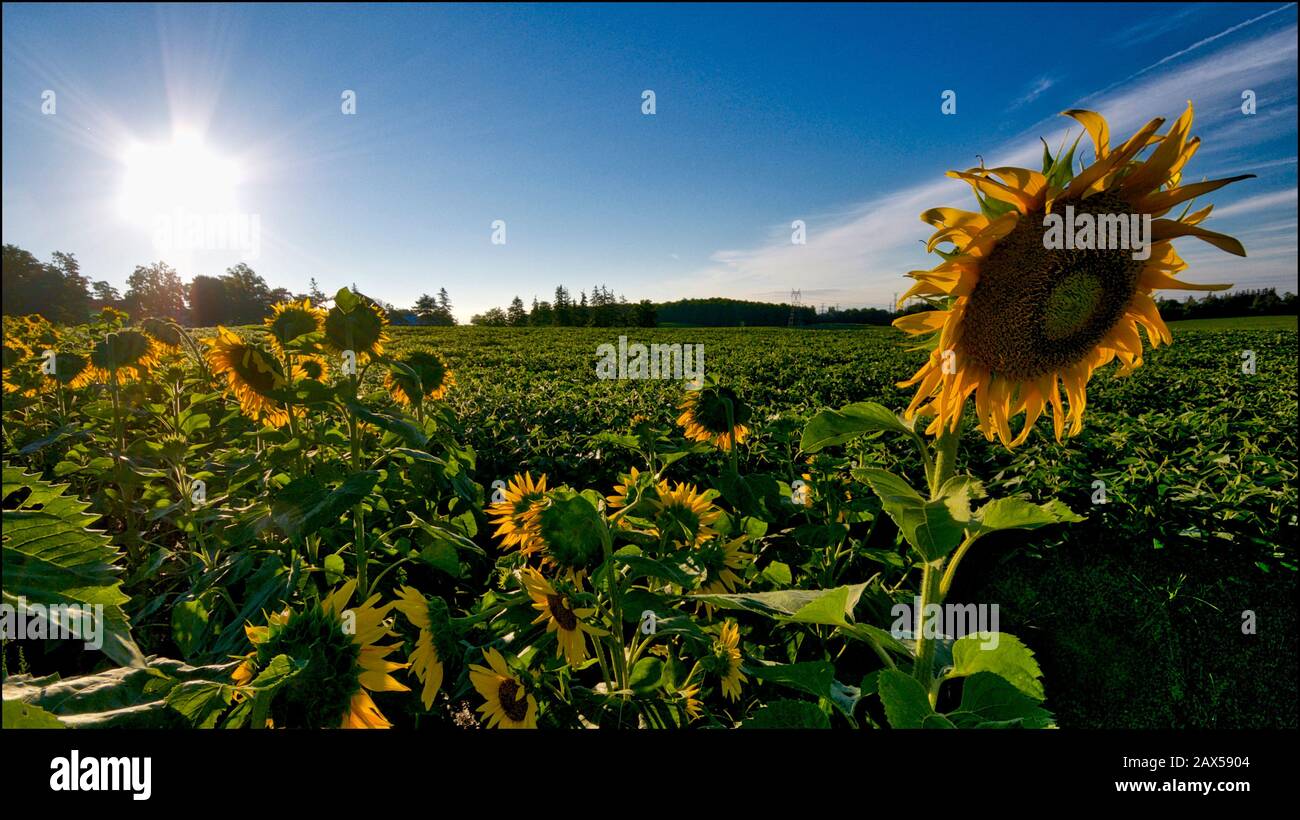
(355, 323)
(515, 515)
(683, 515)
(719, 560)
(68, 368)
(715, 414)
(252, 374)
(323, 690)
(565, 618)
(310, 367)
(421, 375)
(1020, 317)
(507, 702)
(123, 355)
(290, 321)
(725, 661)
(166, 333)
(436, 644)
(571, 532)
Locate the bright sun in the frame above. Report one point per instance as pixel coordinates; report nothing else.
(183, 175)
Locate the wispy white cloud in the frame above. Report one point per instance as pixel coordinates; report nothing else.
(1261, 202)
(1035, 91)
(860, 257)
(1153, 27)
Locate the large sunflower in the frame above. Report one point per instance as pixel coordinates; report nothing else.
(516, 515)
(714, 414)
(251, 374)
(561, 617)
(1017, 321)
(343, 662)
(508, 704)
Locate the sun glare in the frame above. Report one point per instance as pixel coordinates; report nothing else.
(183, 175)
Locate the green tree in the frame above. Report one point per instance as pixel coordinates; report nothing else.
(155, 290)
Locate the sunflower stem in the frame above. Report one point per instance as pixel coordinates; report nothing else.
(932, 574)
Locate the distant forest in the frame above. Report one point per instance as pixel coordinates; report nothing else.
(60, 292)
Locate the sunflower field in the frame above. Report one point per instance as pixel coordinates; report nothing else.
(326, 521)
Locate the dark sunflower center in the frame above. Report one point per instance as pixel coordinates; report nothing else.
(561, 613)
(514, 701)
(1037, 310)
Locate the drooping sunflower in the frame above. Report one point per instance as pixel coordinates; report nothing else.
(356, 324)
(343, 662)
(252, 374)
(570, 533)
(508, 704)
(68, 368)
(290, 321)
(726, 660)
(714, 414)
(1017, 320)
(434, 643)
(516, 515)
(16, 353)
(560, 616)
(119, 357)
(435, 378)
(683, 515)
(165, 332)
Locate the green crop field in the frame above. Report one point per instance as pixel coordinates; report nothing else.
(1236, 323)
(1184, 481)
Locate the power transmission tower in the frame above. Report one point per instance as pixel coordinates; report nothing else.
(796, 302)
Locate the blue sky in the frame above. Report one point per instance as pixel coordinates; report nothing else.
(532, 115)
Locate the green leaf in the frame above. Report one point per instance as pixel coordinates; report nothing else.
(647, 675)
(306, 504)
(334, 568)
(831, 427)
(907, 706)
(933, 527)
(833, 607)
(19, 715)
(788, 714)
(52, 558)
(189, 625)
(123, 697)
(1018, 514)
(814, 677)
(989, 701)
(1010, 659)
(403, 429)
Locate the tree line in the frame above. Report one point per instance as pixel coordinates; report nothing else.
(601, 309)
(59, 291)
